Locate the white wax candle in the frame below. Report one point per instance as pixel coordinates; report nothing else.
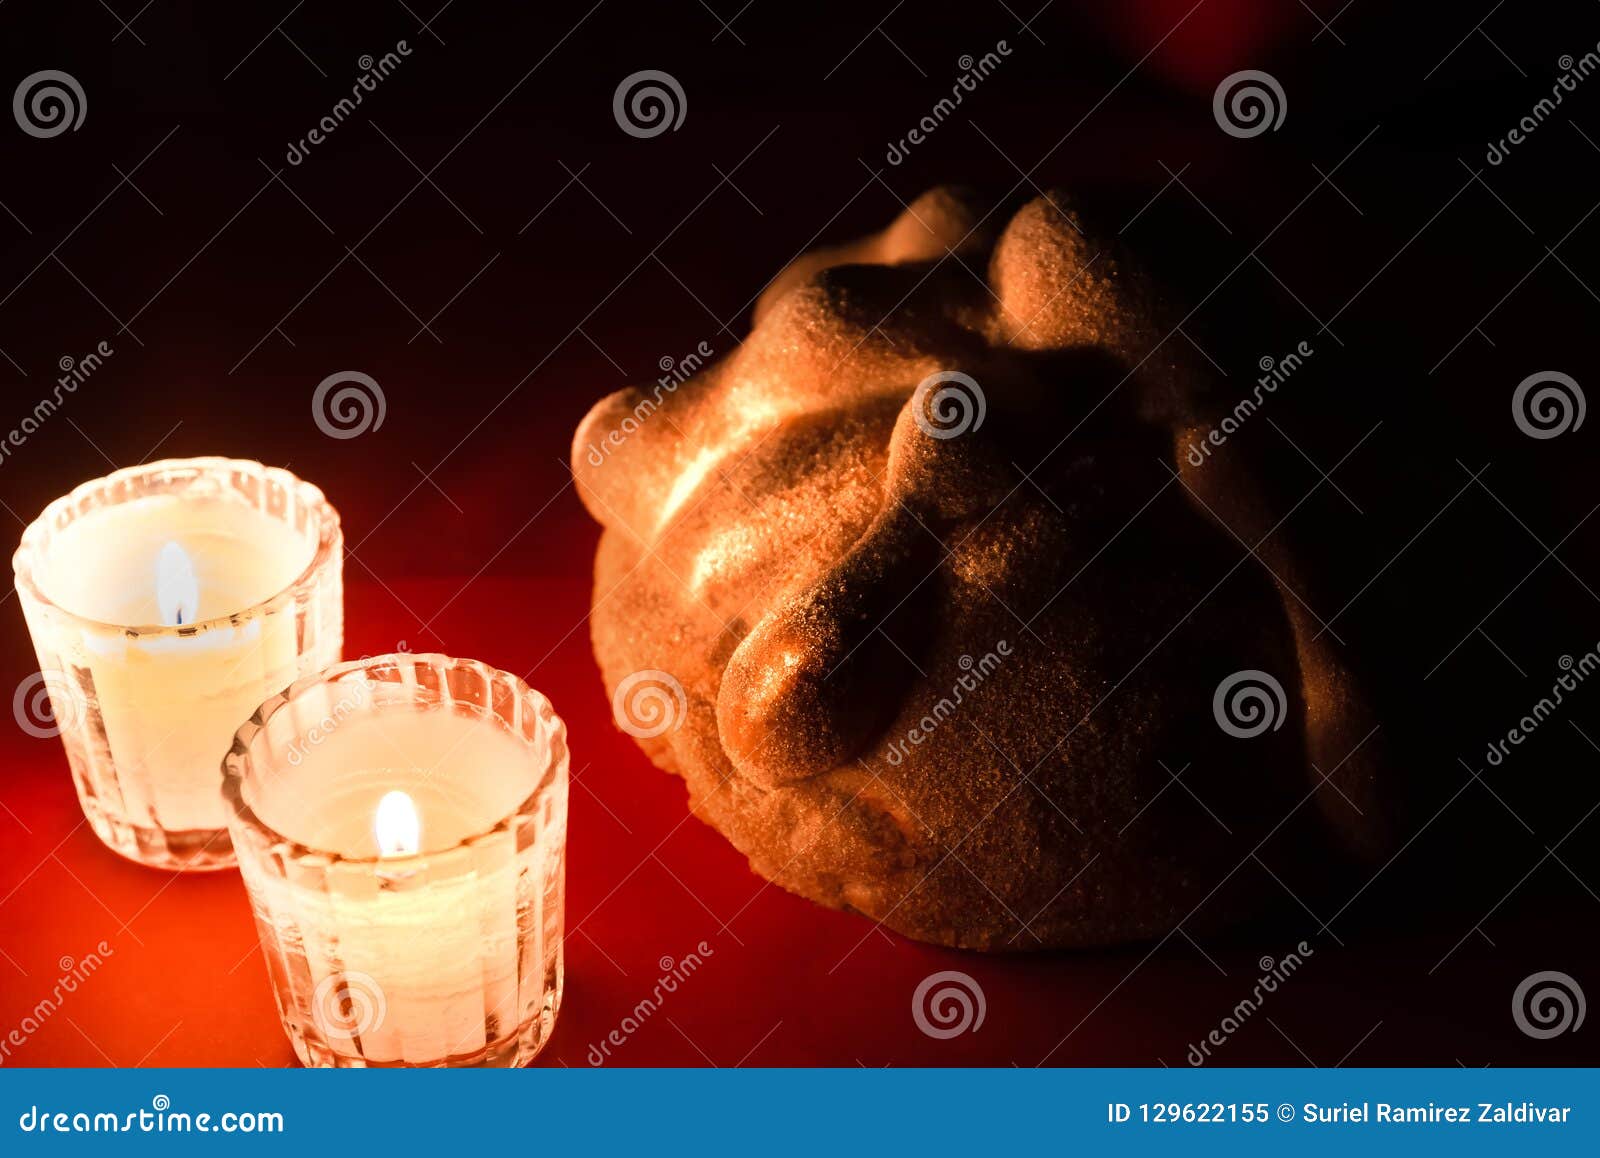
(166, 603)
(104, 565)
(434, 956)
(171, 702)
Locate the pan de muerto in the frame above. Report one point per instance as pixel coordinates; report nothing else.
(921, 592)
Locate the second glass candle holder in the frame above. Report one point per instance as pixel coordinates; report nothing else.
(400, 823)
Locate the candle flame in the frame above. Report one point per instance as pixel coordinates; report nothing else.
(397, 825)
(177, 589)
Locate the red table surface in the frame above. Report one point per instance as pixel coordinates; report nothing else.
(466, 537)
(785, 983)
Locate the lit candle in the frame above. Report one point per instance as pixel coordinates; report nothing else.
(401, 828)
(166, 602)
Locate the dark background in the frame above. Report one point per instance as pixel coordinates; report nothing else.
(483, 239)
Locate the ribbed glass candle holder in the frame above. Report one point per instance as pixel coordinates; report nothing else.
(401, 827)
(165, 602)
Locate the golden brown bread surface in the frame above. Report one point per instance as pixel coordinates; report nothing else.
(947, 606)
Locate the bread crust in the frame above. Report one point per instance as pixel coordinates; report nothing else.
(922, 678)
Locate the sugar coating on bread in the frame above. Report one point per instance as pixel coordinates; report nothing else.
(945, 604)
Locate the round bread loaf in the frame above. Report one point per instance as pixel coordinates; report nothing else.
(921, 594)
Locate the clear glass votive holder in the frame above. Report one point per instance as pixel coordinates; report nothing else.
(165, 602)
(401, 823)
